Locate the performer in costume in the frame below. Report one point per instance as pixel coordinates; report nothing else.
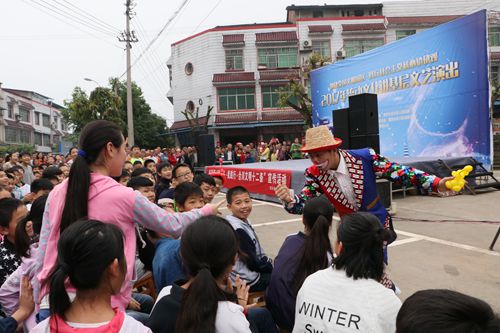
(347, 177)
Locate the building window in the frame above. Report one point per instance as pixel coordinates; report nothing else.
(494, 36)
(190, 106)
(404, 33)
(25, 136)
(236, 98)
(24, 115)
(38, 139)
(46, 140)
(317, 13)
(234, 59)
(322, 47)
(37, 118)
(278, 57)
(189, 68)
(63, 126)
(359, 12)
(46, 120)
(357, 46)
(494, 72)
(10, 108)
(55, 122)
(10, 134)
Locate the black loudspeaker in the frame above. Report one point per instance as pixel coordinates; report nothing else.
(206, 150)
(357, 126)
(341, 126)
(363, 114)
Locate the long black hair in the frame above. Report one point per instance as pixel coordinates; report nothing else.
(84, 252)
(317, 217)
(362, 254)
(93, 138)
(208, 248)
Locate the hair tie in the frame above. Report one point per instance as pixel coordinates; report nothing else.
(204, 266)
(82, 153)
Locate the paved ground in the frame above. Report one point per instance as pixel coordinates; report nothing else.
(426, 254)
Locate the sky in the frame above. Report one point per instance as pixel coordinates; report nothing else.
(50, 46)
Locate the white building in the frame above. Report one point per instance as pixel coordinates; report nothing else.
(30, 118)
(239, 69)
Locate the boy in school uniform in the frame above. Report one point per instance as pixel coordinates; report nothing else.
(253, 266)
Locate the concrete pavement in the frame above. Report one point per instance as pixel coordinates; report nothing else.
(430, 252)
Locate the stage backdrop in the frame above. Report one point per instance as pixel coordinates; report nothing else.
(432, 91)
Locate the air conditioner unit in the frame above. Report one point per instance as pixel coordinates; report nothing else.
(306, 44)
(340, 54)
(17, 116)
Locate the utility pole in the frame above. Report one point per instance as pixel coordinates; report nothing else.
(128, 38)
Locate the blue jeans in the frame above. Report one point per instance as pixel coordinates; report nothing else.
(261, 319)
(147, 302)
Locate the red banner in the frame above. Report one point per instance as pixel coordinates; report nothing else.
(262, 181)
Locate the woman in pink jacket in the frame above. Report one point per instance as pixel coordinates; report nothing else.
(90, 192)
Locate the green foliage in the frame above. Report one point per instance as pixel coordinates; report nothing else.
(16, 148)
(110, 104)
(102, 104)
(149, 128)
(295, 95)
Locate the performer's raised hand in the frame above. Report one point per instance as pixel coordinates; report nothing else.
(283, 193)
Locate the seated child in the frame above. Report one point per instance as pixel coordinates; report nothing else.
(10, 291)
(164, 173)
(12, 211)
(144, 185)
(300, 255)
(123, 178)
(203, 303)
(181, 173)
(207, 184)
(144, 172)
(151, 165)
(443, 311)
(219, 182)
(91, 257)
(357, 301)
(253, 265)
(167, 265)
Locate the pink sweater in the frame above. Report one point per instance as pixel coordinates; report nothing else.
(113, 203)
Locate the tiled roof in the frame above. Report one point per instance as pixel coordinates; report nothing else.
(422, 20)
(233, 39)
(279, 75)
(318, 29)
(235, 118)
(495, 56)
(234, 77)
(280, 36)
(18, 124)
(363, 27)
(281, 115)
(185, 124)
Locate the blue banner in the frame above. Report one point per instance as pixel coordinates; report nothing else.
(432, 89)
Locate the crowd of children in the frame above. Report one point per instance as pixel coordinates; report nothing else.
(78, 239)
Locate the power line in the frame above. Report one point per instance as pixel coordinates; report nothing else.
(67, 15)
(155, 55)
(209, 13)
(183, 4)
(64, 20)
(90, 14)
(86, 17)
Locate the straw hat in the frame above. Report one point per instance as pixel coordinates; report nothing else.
(320, 139)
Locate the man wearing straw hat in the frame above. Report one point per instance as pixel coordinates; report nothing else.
(347, 177)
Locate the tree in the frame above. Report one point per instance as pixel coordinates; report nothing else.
(102, 104)
(150, 130)
(194, 119)
(109, 104)
(295, 94)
